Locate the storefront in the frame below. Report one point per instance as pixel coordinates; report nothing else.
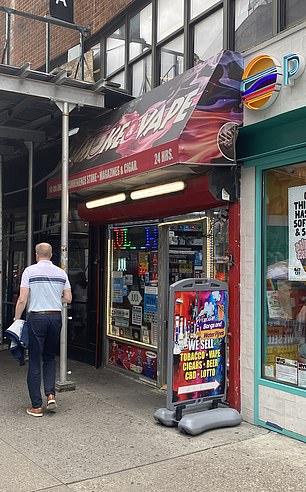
(272, 147)
(160, 174)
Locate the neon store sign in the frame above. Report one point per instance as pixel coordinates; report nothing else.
(132, 238)
(264, 77)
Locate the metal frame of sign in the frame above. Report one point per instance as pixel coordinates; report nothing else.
(199, 340)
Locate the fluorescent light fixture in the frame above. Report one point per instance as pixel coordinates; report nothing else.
(108, 200)
(158, 190)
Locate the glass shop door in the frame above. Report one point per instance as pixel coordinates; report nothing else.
(194, 246)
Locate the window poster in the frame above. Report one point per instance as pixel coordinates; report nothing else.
(286, 370)
(274, 307)
(143, 260)
(297, 233)
(117, 287)
(199, 344)
(302, 375)
(134, 359)
(137, 315)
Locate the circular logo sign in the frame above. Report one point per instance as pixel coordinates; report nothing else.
(261, 82)
(226, 139)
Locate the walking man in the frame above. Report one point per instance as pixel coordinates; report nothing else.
(45, 288)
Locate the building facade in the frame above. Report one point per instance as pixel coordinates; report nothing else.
(124, 257)
(272, 201)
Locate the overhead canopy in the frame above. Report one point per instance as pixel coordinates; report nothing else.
(28, 112)
(176, 130)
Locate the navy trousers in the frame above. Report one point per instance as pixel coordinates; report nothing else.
(44, 330)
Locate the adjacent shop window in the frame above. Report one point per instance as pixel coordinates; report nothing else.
(253, 22)
(141, 32)
(210, 29)
(159, 46)
(119, 78)
(198, 6)
(172, 59)
(115, 50)
(170, 17)
(295, 11)
(96, 61)
(134, 284)
(284, 265)
(142, 76)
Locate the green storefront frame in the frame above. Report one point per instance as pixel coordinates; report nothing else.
(258, 146)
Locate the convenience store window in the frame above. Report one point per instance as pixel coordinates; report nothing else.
(134, 284)
(284, 275)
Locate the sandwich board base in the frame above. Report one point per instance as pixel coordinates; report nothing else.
(166, 417)
(196, 423)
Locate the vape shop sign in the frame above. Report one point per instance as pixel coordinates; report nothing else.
(62, 9)
(198, 324)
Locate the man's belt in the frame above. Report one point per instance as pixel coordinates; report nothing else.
(45, 312)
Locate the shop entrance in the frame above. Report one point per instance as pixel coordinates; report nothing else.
(143, 260)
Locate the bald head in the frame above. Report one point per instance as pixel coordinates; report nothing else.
(43, 251)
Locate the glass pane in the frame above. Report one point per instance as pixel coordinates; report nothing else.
(119, 79)
(134, 276)
(199, 6)
(142, 76)
(141, 32)
(253, 22)
(210, 29)
(78, 276)
(115, 50)
(172, 59)
(295, 11)
(284, 296)
(96, 61)
(199, 248)
(170, 17)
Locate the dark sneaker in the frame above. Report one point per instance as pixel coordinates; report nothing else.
(35, 412)
(51, 403)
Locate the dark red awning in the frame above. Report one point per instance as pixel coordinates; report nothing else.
(176, 130)
(195, 197)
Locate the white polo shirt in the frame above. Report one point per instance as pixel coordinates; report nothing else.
(46, 283)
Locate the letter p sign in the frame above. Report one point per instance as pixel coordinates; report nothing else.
(294, 66)
(62, 9)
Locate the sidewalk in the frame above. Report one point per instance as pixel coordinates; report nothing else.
(103, 438)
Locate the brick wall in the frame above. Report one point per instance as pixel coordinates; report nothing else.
(28, 36)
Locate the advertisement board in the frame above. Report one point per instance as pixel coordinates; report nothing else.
(297, 233)
(189, 119)
(197, 341)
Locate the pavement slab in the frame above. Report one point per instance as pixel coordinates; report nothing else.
(19, 474)
(104, 437)
(236, 467)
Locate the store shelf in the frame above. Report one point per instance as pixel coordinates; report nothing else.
(132, 342)
(181, 252)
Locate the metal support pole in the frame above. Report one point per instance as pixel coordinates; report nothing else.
(1, 254)
(30, 204)
(8, 38)
(63, 384)
(48, 31)
(64, 233)
(82, 55)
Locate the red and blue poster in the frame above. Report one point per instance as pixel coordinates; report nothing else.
(199, 345)
(135, 359)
